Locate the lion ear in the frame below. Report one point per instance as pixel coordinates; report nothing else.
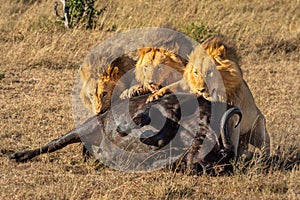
(143, 51)
(111, 72)
(222, 51)
(108, 70)
(85, 71)
(115, 72)
(175, 58)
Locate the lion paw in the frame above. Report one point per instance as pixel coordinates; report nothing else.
(126, 94)
(133, 92)
(155, 96)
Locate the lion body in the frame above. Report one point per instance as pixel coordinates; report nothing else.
(237, 93)
(208, 61)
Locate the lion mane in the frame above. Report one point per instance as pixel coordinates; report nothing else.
(253, 125)
(226, 62)
(98, 84)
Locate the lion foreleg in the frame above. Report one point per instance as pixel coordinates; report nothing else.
(174, 87)
(260, 137)
(161, 92)
(133, 91)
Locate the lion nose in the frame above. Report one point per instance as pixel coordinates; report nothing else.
(202, 90)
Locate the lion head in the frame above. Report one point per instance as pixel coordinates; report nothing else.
(104, 89)
(107, 82)
(199, 68)
(213, 54)
(96, 92)
(226, 60)
(155, 64)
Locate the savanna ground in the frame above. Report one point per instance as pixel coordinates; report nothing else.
(39, 60)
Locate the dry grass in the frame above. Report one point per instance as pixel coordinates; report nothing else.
(39, 62)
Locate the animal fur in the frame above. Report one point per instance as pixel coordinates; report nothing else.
(97, 89)
(253, 125)
(191, 81)
(205, 62)
(155, 67)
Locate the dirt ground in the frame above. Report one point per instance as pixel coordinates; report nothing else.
(39, 60)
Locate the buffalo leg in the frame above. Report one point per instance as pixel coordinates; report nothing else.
(90, 126)
(54, 145)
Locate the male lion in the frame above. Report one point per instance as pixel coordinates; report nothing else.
(201, 70)
(155, 67)
(97, 89)
(253, 125)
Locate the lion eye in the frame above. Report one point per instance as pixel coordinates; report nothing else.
(195, 73)
(208, 73)
(103, 95)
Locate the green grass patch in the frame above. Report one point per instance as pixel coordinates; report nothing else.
(2, 75)
(198, 32)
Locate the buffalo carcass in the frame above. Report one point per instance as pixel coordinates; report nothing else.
(136, 136)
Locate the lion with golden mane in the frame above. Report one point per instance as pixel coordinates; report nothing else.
(155, 68)
(237, 93)
(253, 125)
(97, 88)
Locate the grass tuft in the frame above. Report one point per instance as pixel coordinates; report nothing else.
(198, 32)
